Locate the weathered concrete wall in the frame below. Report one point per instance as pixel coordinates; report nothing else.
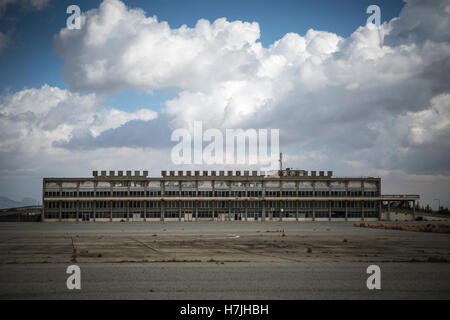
(402, 216)
(396, 216)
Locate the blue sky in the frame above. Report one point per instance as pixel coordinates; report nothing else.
(357, 99)
(30, 62)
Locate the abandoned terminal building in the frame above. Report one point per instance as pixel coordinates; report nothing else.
(288, 195)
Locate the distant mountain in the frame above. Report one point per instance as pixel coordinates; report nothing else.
(8, 203)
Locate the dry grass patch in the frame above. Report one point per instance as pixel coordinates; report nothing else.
(430, 227)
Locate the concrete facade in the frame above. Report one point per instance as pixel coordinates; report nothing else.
(287, 195)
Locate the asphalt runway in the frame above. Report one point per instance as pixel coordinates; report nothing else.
(13, 229)
(221, 260)
(287, 280)
(22, 243)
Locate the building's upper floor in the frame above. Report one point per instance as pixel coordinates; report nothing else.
(285, 183)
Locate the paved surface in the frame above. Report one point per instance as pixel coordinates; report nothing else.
(285, 280)
(12, 229)
(224, 242)
(237, 260)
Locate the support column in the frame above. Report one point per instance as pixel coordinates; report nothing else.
(77, 205)
(94, 203)
(77, 193)
(362, 201)
(380, 203)
(263, 194)
(389, 210)
(313, 210)
(346, 210)
(145, 201)
(314, 202)
(196, 201)
(280, 204)
(163, 193)
(110, 210)
(229, 204)
(43, 201)
(263, 211)
(297, 194)
(180, 189)
(144, 206)
(346, 202)
(128, 201)
(329, 210)
(59, 202)
(414, 209)
(246, 201)
(246, 209)
(362, 210)
(213, 203)
(196, 210)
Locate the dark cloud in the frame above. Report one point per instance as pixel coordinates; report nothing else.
(421, 21)
(133, 134)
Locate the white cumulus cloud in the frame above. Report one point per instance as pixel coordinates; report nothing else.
(374, 102)
(33, 119)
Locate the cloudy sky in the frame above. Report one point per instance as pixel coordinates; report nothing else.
(346, 96)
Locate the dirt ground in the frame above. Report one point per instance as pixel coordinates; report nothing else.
(216, 243)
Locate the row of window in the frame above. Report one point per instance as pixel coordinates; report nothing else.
(98, 215)
(210, 183)
(87, 194)
(208, 204)
(235, 214)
